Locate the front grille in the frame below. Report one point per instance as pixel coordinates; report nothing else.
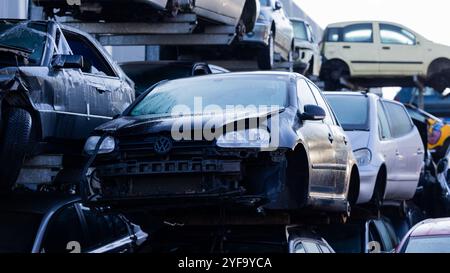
(135, 147)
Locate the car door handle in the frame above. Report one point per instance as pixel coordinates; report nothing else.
(386, 48)
(345, 140)
(420, 151)
(397, 153)
(346, 47)
(330, 138)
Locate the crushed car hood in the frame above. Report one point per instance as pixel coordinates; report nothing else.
(128, 125)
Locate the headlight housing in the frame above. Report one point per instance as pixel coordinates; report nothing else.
(250, 138)
(363, 156)
(107, 146)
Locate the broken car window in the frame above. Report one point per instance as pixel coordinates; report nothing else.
(94, 63)
(22, 43)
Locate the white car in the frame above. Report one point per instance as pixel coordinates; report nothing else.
(307, 59)
(382, 54)
(386, 144)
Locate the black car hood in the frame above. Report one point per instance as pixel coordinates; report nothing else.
(128, 125)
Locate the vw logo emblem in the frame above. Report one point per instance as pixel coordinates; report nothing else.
(163, 145)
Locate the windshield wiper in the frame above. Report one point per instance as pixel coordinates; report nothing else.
(19, 51)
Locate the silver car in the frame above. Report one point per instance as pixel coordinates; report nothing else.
(273, 35)
(386, 144)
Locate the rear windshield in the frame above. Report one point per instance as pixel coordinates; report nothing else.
(22, 43)
(18, 231)
(353, 118)
(146, 75)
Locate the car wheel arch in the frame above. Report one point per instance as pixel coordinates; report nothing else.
(354, 185)
(250, 14)
(435, 63)
(36, 130)
(299, 157)
(382, 173)
(331, 65)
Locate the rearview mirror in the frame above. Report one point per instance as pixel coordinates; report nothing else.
(67, 61)
(278, 5)
(313, 112)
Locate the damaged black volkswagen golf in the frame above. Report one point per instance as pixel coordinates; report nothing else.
(267, 139)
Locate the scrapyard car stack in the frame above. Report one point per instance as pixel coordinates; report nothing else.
(56, 85)
(280, 148)
(239, 13)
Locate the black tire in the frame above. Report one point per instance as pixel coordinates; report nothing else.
(16, 137)
(331, 85)
(266, 55)
(438, 74)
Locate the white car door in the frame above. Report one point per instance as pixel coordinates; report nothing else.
(409, 151)
(399, 50)
(356, 45)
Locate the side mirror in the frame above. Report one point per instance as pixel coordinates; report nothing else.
(313, 112)
(67, 61)
(442, 165)
(278, 5)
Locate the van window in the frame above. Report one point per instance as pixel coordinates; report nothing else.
(401, 123)
(357, 33)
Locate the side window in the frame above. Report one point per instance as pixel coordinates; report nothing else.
(383, 124)
(94, 62)
(390, 34)
(305, 95)
(333, 34)
(103, 229)
(321, 102)
(400, 124)
(65, 227)
(359, 33)
(311, 247)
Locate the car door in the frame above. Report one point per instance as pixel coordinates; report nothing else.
(387, 143)
(317, 136)
(103, 85)
(69, 98)
(107, 233)
(356, 44)
(409, 150)
(400, 52)
(339, 142)
(64, 232)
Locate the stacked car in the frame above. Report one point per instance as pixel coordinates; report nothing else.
(187, 141)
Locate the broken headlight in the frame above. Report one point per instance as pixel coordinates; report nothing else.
(251, 138)
(107, 146)
(363, 157)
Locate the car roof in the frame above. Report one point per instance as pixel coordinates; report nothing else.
(432, 227)
(172, 63)
(36, 202)
(349, 93)
(347, 23)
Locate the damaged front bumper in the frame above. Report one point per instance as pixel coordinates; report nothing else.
(243, 177)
